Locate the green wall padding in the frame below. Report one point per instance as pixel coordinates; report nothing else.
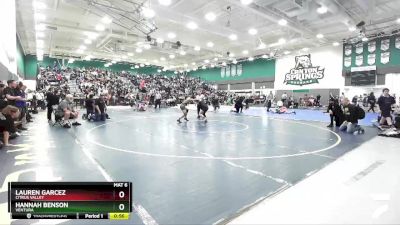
(20, 59)
(257, 69)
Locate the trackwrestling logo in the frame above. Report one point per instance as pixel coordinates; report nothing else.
(304, 73)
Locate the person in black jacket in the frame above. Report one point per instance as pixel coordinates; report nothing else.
(239, 104)
(385, 102)
(350, 123)
(371, 100)
(52, 99)
(335, 112)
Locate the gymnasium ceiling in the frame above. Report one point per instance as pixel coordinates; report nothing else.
(68, 23)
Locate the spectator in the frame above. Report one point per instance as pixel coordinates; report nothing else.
(101, 108)
(335, 112)
(385, 102)
(7, 117)
(52, 99)
(65, 108)
(21, 105)
(3, 102)
(270, 98)
(350, 123)
(10, 93)
(371, 100)
(283, 98)
(157, 100)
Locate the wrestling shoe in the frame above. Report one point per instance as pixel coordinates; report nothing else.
(76, 124)
(186, 119)
(179, 121)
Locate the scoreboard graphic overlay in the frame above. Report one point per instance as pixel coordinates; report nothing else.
(70, 200)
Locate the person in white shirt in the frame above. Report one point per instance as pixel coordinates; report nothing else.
(157, 100)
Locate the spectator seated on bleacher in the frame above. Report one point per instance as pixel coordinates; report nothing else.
(66, 110)
(7, 127)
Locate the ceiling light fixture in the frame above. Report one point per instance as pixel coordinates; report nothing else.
(252, 31)
(139, 50)
(164, 2)
(172, 56)
(245, 52)
(286, 52)
(233, 37)
(130, 54)
(352, 29)
(210, 44)
(162, 59)
(210, 16)
(335, 44)
(322, 10)
(251, 59)
(197, 48)
(246, 2)
(171, 35)
(282, 22)
(207, 61)
(148, 13)
(182, 53)
(88, 41)
(100, 27)
(192, 26)
(282, 41)
(319, 36)
(398, 20)
(364, 39)
(264, 56)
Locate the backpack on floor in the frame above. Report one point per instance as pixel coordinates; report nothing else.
(360, 113)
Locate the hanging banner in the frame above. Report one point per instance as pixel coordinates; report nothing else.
(233, 70)
(228, 71)
(359, 48)
(397, 42)
(239, 70)
(385, 44)
(359, 60)
(371, 59)
(372, 46)
(385, 57)
(347, 61)
(222, 72)
(347, 50)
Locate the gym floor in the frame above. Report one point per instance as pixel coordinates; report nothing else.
(188, 173)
